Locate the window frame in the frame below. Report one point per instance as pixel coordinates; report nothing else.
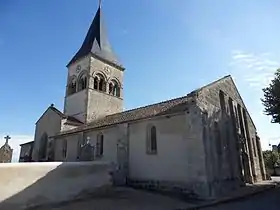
(151, 132)
(99, 145)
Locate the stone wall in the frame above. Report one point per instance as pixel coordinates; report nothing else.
(49, 124)
(100, 104)
(25, 150)
(6, 153)
(179, 162)
(225, 120)
(29, 184)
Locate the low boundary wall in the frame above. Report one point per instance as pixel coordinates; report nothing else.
(30, 184)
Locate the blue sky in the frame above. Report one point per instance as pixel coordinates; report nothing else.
(169, 48)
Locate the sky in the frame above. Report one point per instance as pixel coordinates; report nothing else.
(168, 47)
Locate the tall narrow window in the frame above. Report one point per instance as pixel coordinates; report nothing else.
(222, 101)
(236, 118)
(43, 147)
(95, 83)
(101, 85)
(72, 85)
(99, 145)
(152, 140)
(111, 87)
(254, 147)
(64, 148)
(82, 84)
(114, 88)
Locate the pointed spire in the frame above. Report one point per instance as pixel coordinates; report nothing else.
(96, 42)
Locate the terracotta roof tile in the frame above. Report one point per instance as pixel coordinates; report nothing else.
(164, 108)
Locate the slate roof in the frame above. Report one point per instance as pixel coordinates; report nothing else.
(30, 142)
(96, 42)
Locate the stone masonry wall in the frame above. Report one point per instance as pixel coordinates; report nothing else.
(99, 103)
(221, 120)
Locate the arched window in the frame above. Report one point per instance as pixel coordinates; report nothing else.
(99, 145)
(99, 83)
(43, 147)
(82, 83)
(72, 85)
(151, 140)
(64, 148)
(95, 83)
(114, 88)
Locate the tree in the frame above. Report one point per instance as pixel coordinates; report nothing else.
(271, 100)
(271, 159)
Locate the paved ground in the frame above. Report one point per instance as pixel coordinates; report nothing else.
(130, 199)
(265, 201)
(124, 199)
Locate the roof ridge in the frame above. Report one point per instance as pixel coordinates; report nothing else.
(152, 110)
(166, 101)
(146, 106)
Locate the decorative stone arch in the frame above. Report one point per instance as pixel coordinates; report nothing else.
(101, 73)
(43, 145)
(151, 136)
(99, 81)
(72, 85)
(82, 81)
(114, 87)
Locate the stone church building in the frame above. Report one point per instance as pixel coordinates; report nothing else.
(203, 142)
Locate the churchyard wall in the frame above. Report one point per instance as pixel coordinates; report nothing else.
(29, 184)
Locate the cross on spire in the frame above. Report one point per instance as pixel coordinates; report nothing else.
(7, 138)
(100, 2)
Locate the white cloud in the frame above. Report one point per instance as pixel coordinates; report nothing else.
(15, 141)
(256, 69)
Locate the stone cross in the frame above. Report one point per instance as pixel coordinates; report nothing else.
(7, 138)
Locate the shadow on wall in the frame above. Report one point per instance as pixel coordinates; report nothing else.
(222, 152)
(26, 185)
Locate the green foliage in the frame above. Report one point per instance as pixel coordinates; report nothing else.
(271, 100)
(271, 159)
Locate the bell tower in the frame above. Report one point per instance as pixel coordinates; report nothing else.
(95, 77)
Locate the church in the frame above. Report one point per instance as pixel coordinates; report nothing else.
(204, 142)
